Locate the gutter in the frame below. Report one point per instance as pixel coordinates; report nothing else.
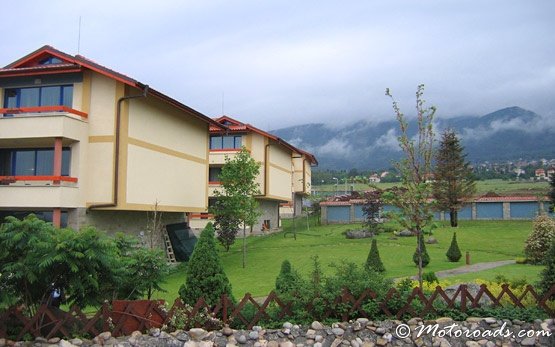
(114, 203)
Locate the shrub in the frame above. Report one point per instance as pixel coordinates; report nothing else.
(425, 255)
(288, 280)
(539, 240)
(430, 277)
(374, 262)
(548, 274)
(205, 276)
(454, 253)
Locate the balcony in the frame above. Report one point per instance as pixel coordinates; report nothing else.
(38, 192)
(217, 156)
(43, 122)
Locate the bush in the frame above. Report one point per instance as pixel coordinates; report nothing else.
(374, 262)
(540, 239)
(288, 280)
(205, 276)
(430, 277)
(454, 253)
(425, 255)
(548, 274)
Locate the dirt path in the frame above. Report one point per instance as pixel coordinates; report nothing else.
(473, 268)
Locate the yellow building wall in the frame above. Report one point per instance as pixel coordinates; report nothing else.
(166, 159)
(102, 105)
(257, 145)
(280, 173)
(298, 181)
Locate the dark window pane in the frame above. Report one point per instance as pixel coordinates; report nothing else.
(5, 162)
(50, 96)
(66, 161)
(29, 97)
(24, 163)
(238, 142)
(215, 142)
(228, 142)
(214, 174)
(10, 98)
(67, 93)
(45, 163)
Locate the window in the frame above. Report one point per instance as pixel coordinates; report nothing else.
(214, 174)
(43, 215)
(226, 142)
(32, 162)
(50, 61)
(38, 96)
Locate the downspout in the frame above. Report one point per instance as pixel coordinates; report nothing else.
(266, 167)
(114, 203)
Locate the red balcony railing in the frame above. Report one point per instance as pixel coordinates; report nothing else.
(39, 109)
(4, 180)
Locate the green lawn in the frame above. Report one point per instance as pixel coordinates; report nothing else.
(498, 186)
(485, 240)
(511, 272)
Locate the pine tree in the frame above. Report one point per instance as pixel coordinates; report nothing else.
(423, 251)
(288, 279)
(374, 262)
(453, 179)
(454, 253)
(205, 276)
(548, 274)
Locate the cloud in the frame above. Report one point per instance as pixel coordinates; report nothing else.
(388, 141)
(336, 148)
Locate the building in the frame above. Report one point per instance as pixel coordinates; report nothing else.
(285, 172)
(82, 144)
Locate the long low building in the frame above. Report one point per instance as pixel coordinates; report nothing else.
(481, 208)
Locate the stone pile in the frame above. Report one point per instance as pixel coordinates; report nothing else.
(359, 333)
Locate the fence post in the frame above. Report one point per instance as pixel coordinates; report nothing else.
(224, 308)
(463, 292)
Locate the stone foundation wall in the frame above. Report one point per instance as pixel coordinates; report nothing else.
(474, 332)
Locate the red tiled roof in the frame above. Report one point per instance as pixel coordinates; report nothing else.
(27, 65)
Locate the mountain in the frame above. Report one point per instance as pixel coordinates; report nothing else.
(507, 134)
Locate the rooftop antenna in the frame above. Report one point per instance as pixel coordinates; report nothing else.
(79, 37)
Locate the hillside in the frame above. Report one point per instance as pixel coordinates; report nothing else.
(507, 134)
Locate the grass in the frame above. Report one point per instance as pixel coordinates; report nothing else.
(511, 272)
(485, 241)
(498, 186)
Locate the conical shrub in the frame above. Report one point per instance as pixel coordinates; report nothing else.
(425, 255)
(454, 253)
(548, 274)
(374, 262)
(205, 274)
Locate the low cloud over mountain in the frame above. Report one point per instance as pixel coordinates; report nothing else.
(506, 134)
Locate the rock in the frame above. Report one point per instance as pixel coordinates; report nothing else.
(286, 344)
(319, 338)
(431, 240)
(205, 344)
(318, 344)
(227, 331)
(381, 341)
(54, 340)
(388, 337)
(286, 331)
(102, 337)
(338, 331)
(490, 320)
(154, 332)
(414, 321)
(242, 339)
(358, 234)
(363, 321)
(190, 344)
(474, 320)
(2, 342)
(317, 325)
(368, 344)
(404, 233)
(472, 344)
(272, 344)
(357, 326)
(380, 331)
(197, 334)
(336, 342)
(443, 342)
(444, 320)
(529, 341)
(355, 343)
(76, 342)
(182, 336)
(64, 343)
(253, 335)
(287, 325)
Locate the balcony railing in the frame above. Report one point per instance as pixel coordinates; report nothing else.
(40, 109)
(7, 180)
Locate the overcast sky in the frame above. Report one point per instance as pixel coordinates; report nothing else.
(281, 63)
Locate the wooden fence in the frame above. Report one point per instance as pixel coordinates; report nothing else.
(124, 317)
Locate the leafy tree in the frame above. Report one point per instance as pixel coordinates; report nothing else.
(453, 179)
(421, 256)
(548, 274)
(413, 199)
(374, 262)
(238, 179)
(371, 210)
(539, 240)
(552, 192)
(205, 276)
(226, 222)
(454, 253)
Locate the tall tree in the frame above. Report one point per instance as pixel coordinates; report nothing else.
(371, 210)
(453, 180)
(413, 199)
(237, 201)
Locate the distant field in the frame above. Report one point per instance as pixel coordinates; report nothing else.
(498, 186)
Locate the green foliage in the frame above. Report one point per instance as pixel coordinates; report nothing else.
(454, 253)
(413, 197)
(288, 280)
(430, 277)
(422, 251)
(540, 239)
(371, 210)
(205, 276)
(225, 222)
(548, 274)
(453, 178)
(552, 192)
(374, 262)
